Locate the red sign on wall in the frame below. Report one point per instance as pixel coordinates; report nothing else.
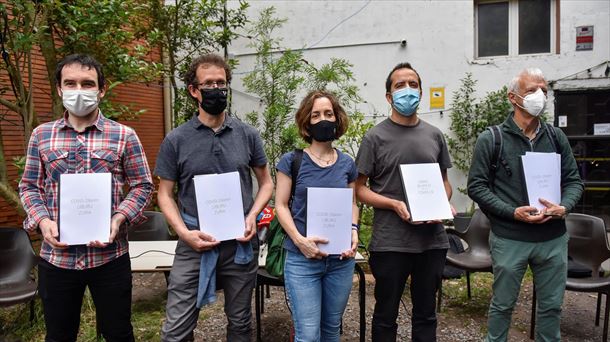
(584, 38)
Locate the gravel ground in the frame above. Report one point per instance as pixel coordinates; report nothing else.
(455, 323)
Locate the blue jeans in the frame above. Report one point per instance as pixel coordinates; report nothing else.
(317, 292)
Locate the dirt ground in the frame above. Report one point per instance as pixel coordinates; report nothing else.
(456, 323)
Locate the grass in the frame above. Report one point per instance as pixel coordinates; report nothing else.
(455, 294)
(147, 317)
(148, 314)
(15, 323)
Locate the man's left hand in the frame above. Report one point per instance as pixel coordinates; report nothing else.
(115, 223)
(250, 229)
(553, 209)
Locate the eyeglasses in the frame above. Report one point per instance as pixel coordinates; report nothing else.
(213, 84)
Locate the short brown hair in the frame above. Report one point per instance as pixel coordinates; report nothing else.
(303, 115)
(405, 65)
(190, 77)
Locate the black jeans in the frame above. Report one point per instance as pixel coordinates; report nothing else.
(391, 270)
(62, 290)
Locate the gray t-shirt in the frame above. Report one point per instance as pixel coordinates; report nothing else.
(195, 149)
(384, 148)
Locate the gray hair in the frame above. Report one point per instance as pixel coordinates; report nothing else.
(513, 85)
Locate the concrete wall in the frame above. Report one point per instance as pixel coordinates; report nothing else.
(440, 39)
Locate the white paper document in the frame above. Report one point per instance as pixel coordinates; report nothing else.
(329, 216)
(220, 209)
(601, 129)
(85, 207)
(425, 192)
(542, 172)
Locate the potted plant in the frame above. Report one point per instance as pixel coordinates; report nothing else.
(469, 117)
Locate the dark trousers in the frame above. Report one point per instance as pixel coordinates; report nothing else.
(391, 270)
(62, 291)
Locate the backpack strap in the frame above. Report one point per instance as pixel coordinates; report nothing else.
(295, 166)
(496, 139)
(553, 136)
(496, 157)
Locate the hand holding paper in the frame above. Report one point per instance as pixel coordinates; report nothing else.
(530, 214)
(115, 223)
(400, 208)
(350, 253)
(198, 240)
(250, 229)
(309, 247)
(50, 233)
(553, 209)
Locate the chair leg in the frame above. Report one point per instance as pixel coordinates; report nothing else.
(257, 309)
(262, 298)
(533, 318)
(468, 284)
(166, 274)
(598, 308)
(32, 311)
(606, 312)
(439, 297)
(268, 291)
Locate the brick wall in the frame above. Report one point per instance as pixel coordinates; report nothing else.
(149, 126)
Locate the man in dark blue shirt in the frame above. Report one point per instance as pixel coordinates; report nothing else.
(211, 142)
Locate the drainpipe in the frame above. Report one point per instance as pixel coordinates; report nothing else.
(168, 117)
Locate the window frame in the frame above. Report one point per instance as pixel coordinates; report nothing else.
(513, 29)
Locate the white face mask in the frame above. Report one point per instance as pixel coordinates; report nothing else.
(80, 102)
(534, 103)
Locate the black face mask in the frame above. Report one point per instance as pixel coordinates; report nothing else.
(323, 131)
(213, 100)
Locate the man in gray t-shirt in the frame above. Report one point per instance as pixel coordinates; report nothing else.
(400, 248)
(210, 142)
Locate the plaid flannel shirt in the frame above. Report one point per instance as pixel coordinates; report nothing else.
(105, 146)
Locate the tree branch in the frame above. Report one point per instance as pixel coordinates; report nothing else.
(11, 196)
(10, 105)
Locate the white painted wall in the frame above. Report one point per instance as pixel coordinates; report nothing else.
(440, 45)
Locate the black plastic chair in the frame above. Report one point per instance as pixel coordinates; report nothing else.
(476, 257)
(17, 259)
(588, 246)
(155, 228)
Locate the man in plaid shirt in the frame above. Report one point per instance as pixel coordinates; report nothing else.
(83, 141)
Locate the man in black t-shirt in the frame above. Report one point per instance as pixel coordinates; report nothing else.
(400, 248)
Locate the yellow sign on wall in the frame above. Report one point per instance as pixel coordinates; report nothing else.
(437, 98)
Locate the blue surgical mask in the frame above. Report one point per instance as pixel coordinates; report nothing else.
(405, 101)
